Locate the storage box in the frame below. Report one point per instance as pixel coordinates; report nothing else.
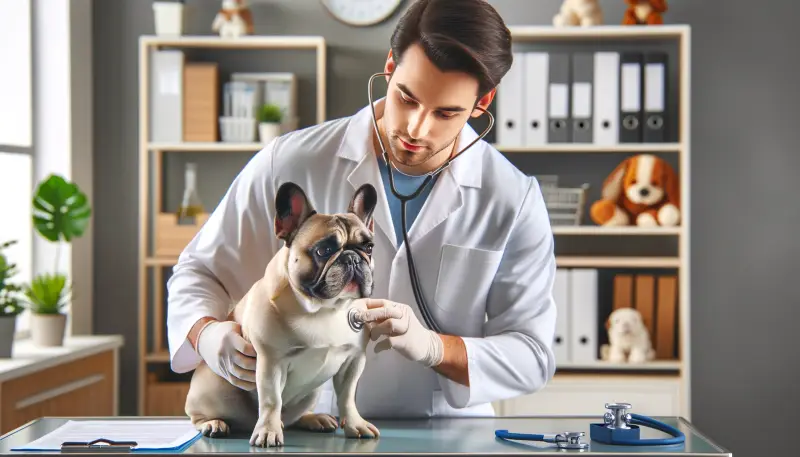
(171, 237)
(200, 101)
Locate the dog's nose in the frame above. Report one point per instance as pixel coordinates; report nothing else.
(351, 258)
(644, 192)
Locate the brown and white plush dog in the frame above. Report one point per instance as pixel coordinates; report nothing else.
(296, 318)
(629, 340)
(643, 190)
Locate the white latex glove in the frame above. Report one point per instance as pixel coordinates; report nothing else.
(402, 330)
(228, 354)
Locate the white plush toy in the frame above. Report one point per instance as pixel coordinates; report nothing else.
(628, 337)
(233, 19)
(578, 12)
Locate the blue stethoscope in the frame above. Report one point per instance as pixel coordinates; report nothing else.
(618, 428)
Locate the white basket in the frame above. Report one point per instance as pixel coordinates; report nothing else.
(565, 204)
(547, 180)
(237, 129)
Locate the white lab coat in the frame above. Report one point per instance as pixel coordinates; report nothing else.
(482, 244)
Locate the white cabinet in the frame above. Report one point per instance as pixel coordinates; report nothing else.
(587, 395)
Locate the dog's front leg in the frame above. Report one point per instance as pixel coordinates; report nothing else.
(270, 379)
(344, 383)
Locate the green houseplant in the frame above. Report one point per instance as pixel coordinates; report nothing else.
(269, 122)
(61, 213)
(10, 303)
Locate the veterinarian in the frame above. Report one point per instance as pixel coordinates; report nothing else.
(479, 232)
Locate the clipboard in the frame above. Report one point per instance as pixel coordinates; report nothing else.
(99, 445)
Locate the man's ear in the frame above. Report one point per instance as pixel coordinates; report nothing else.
(292, 208)
(389, 66)
(363, 204)
(483, 103)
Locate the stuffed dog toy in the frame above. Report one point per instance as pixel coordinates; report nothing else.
(643, 190)
(644, 12)
(578, 12)
(296, 318)
(629, 340)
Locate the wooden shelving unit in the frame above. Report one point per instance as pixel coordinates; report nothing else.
(157, 396)
(660, 386)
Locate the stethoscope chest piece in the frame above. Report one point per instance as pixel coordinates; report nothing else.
(352, 320)
(571, 441)
(616, 425)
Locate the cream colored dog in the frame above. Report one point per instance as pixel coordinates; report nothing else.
(300, 333)
(628, 337)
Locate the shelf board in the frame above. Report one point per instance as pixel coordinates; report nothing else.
(592, 148)
(591, 230)
(210, 146)
(245, 42)
(607, 32)
(617, 262)
(158, 357)
(561, 261)
(655, 365)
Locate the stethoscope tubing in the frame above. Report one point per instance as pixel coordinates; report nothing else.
(412, 270)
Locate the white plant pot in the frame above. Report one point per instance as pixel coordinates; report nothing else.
(8, 326)
(268, 131)
(168, 18)
(48, 329)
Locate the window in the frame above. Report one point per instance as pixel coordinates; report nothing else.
(16, 152)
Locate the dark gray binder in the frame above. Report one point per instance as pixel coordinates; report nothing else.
(582, 88)
(655, 97)
(559, 99)
(630, 97)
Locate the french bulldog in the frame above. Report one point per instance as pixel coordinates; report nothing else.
(297, 319)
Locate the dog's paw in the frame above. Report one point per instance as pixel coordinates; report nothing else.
(646, 220)
(638, 356)
(317, 422)
(267, 435)
(213, 428)
(357, 427)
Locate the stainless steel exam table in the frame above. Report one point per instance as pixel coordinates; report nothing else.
(442, 436)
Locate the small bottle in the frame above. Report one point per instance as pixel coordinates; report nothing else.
(191, 205)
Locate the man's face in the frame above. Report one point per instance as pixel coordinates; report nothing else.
(426, 108)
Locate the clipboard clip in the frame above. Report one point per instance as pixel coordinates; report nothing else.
(99, 445)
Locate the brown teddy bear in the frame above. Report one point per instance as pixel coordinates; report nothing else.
(641, 12)
(643, 190)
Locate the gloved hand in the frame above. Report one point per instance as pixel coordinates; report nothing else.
(404, 332)
(228, 354)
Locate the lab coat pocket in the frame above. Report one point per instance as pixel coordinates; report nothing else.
(465, 275)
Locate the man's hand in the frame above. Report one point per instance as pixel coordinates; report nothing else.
(226, 352)
(403, 332)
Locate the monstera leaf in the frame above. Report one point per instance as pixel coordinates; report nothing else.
(61, 210)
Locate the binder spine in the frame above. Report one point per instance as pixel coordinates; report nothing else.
(655, 98)
(630, 128)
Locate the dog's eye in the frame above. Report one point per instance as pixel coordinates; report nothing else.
(368, 248)
(324, 252)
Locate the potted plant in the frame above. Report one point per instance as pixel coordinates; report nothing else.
(61, 214)
(10, 303)
(269, 122)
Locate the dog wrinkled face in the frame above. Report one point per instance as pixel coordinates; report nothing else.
(644, 182)
(330, 255)
(625, 322)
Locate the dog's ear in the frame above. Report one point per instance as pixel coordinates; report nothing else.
(612, 186)
(363, 204)
(671, 183)
(292, 209)
(608, 323)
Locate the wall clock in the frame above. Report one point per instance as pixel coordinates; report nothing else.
(361, 13)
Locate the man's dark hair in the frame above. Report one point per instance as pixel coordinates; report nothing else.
(461, 35)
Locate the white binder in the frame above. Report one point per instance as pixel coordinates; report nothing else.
(166, 96)
(606, 98)
(561, 342)
(535, 104)
(510, 94)
(583, 315)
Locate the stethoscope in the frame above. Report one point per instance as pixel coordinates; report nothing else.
(412, 271)
(618, 428)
